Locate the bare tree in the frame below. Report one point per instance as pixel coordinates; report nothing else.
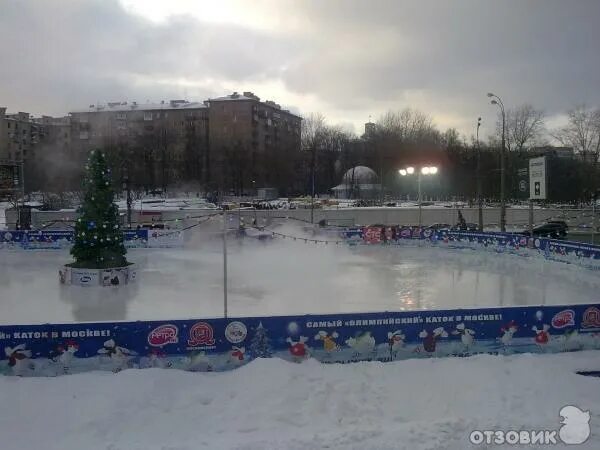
(313, 128)
(524, 127)
(408, 125)
(582, 131)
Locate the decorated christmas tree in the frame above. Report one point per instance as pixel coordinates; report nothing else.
(98, 241)
(259, 346)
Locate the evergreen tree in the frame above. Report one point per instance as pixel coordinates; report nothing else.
(98, 241)
(259, 346)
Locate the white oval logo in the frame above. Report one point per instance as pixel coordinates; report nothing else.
(236, 332)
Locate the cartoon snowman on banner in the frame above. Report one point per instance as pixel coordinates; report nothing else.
(363, 344)
(430, 340)
(298, 349)
(65, 354)
(542, 334)
(395, 342)
(508, 331)
(467, 336)
(329, 343)
(18, 359)
(119, 356)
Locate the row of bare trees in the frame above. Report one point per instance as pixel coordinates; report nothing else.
(396, 139)
(410, 137)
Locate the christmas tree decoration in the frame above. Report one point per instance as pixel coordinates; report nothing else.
(106, 249)
(260, 346)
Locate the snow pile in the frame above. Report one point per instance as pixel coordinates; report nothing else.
(273, 404)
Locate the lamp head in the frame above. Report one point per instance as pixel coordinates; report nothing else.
(494, 102)
(410, 170)
(402, 172)
(489, 94)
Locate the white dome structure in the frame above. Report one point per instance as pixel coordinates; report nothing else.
(358, 182)
(360, 175)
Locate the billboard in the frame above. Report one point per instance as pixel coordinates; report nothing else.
(218, 344)
(523, 182)
(537, 178)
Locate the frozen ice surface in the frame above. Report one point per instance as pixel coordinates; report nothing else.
(287, 278)
(271, 404)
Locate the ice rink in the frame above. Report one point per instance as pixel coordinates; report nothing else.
(287, 278)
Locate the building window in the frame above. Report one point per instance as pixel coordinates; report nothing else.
(84, 135)
(8, 124)
(121, 116)
(83, 119)
(147, 116)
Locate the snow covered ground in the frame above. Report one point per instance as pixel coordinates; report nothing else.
(273, 404)
(286, 278)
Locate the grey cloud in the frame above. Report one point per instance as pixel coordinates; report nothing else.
(70, 53)
(356, 57)
(544, 52)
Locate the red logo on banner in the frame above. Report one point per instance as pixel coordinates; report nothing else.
(163, 335)
(372, 235)
(201, 333)
(565, 318)
(591, 318)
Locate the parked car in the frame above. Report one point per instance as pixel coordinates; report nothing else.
(555, 229)
(440, 226)
(466, 227)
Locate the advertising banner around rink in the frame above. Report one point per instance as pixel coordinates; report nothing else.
(579, 253)
(223, 344)
(48, 240)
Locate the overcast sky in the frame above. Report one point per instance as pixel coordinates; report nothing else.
(347, 59)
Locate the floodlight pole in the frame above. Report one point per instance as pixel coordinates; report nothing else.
(497, 101)
(479, 189)
(419, 191)
(225, 263)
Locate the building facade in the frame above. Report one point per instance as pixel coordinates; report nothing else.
(255, 144)
(149, 145)
(233, 144)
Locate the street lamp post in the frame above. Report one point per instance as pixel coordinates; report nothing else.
(479, 196)
(497, 101)
(426, 170)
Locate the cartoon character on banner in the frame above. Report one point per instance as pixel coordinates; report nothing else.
(198, 362)
(395, 342)
(542, 336)
(430, 340)
(329, 344)
(508, 331)
(119, 356)
(570, 341)
(237, 355)
(158, 358)
(389, 234)
(298, 349)
(362, 344)
(64, 354)
(466, 335)
(18, 359)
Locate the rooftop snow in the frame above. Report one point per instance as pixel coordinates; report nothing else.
(125, 106)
